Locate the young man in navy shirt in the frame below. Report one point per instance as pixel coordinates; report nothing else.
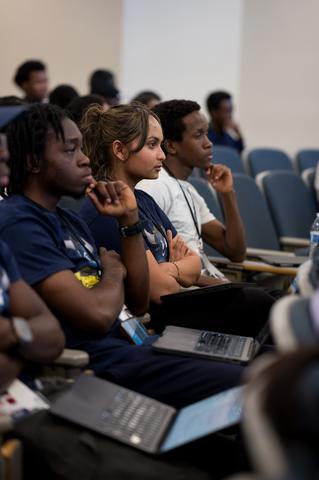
(57, 256)
(222, 129)
(51, 445)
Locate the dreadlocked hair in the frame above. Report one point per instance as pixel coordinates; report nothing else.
(101, 128)
(27, 138)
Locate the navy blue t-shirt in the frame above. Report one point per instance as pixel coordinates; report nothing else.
(45, 243)
(9, 274)
(225, 140)
(105, 230)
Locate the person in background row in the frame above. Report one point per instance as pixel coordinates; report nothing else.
(102, 83)
(148, 98)
(79, 105)
(222, 129)
(62, 95)
(32, 78)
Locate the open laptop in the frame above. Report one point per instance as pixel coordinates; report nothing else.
(209, 345)
(195, 293)
(142, 422)
(199, 343)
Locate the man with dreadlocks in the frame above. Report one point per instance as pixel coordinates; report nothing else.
(57, 256)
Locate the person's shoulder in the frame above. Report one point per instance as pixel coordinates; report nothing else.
(20, 213)
(143, 197)
(191, 189)
(147, 204)
(13, 210)
(158, 186)
(146, 201)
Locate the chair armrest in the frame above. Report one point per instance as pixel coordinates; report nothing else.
(254, 252)
(72, 358)
(294, 242)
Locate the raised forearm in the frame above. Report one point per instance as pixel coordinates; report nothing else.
(137, 291)
(108, 300)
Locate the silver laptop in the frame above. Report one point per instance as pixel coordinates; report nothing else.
(209, 345)
(142, 422)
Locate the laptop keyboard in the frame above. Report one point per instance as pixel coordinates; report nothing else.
(135, 419)
(220, 344)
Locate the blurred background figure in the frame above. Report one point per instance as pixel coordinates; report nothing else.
(148, 98)
(102, 83)
(79, 105)
(32, 78)
(222, 129)
(62, 95)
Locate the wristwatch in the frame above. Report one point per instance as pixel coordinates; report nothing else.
(129, 231)
(22, 330)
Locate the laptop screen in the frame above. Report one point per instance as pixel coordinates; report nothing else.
(205, 417)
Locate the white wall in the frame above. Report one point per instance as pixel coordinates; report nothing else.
(73, 37)
(263, 51)
(181, 48)
(279, 79)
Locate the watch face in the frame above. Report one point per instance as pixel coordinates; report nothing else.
(22, 330)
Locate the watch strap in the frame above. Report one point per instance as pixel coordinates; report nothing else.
(131, 230)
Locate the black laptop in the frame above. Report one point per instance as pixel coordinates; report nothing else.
(193, 293)
(142, 422)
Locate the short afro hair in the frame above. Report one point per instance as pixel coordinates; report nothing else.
(23, 72)
(214, 100)
(171, 114)
(146, 96)
(62, 95)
